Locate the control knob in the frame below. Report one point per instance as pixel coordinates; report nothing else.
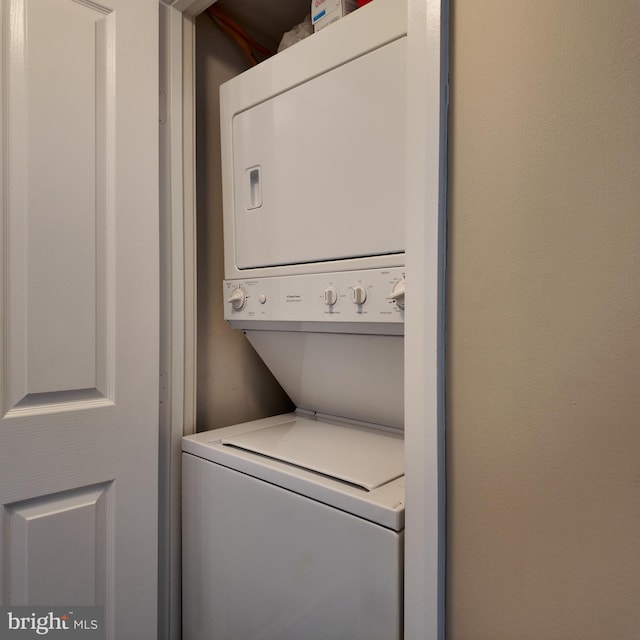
(359, 294)
(237, 299)
(397, 295)
(330, 296)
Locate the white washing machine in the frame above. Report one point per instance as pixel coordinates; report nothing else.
(293, 529)
(293, 524)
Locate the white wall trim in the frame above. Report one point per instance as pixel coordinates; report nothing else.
(177, 346)
(424, 320)
(188, 95)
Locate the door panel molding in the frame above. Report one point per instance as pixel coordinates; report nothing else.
(79, 523)
(58, 286)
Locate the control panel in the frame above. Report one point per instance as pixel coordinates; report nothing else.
(367, 296)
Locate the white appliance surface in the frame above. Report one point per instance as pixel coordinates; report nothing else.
(329, 352)
(353, 376)
(325, 147)
(362, 298)
(263, 562)
(347, 467)
(364, 458)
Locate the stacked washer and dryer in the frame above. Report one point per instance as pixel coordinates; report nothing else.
(293, 524)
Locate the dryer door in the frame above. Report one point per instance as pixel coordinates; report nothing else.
(313, 166)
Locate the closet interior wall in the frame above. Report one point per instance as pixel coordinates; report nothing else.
(233, 384)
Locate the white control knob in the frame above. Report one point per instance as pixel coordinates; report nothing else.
(330, 296)
(237, 299)
(359, 294)
(397, 295)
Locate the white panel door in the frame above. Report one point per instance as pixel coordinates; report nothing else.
(79, 295)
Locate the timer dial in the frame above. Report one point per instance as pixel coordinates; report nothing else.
(237, 299)
(397, 295)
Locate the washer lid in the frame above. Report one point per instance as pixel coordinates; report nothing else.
(363, 458)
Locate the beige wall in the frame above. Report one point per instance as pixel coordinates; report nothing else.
(543, 387)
